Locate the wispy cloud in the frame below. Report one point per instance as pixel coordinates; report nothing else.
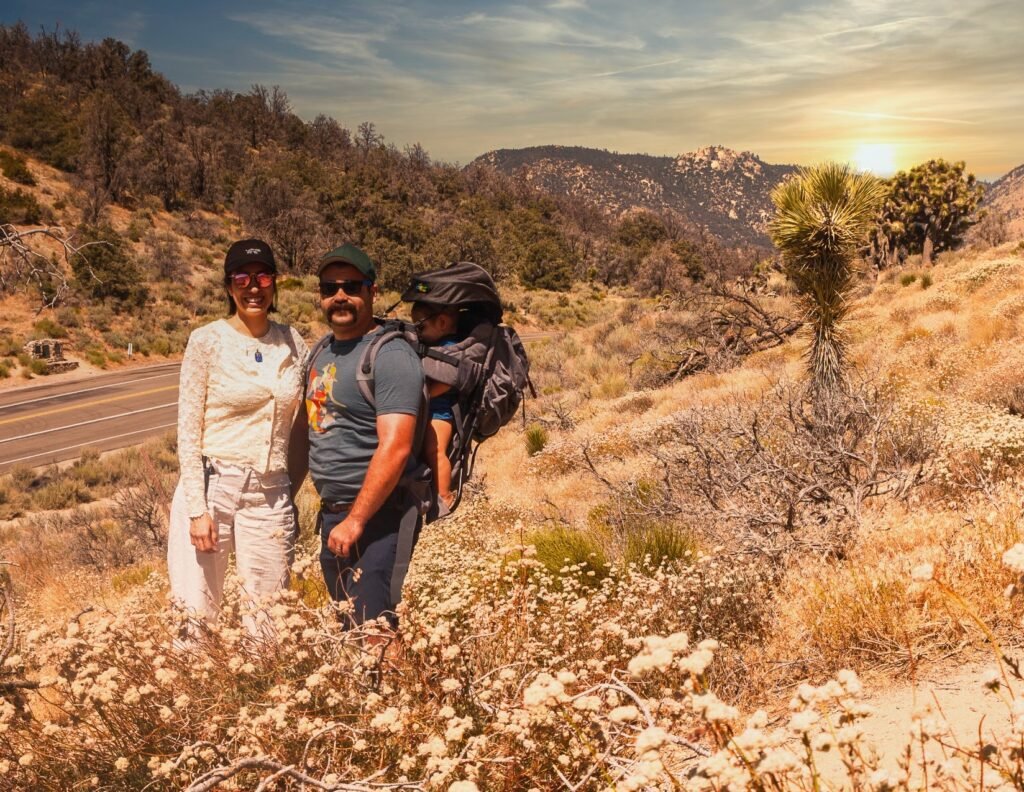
(892, 117)
(803, 78)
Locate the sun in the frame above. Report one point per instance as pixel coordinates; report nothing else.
(876, 158)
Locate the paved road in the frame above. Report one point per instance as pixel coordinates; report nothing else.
(53, 422)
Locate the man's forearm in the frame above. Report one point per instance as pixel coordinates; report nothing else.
(382, 475)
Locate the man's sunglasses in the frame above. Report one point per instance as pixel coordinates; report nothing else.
(352, 288)
(243, 280)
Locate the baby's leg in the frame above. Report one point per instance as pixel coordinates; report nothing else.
(441, 430)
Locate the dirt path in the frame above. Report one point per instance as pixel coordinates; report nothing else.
(955, 690)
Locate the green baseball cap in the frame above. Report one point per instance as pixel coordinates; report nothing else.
(349, 254)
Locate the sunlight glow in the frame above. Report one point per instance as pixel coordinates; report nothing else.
(876, 158)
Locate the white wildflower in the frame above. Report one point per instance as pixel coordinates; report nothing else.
(624, 714)
(923, 573)
(1014, 558)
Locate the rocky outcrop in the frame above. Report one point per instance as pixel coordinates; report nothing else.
(724, 191)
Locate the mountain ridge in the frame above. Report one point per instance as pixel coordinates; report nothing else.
(715, 188)
(1006, 195)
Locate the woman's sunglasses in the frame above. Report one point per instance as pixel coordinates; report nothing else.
(243, 280)
(352, 288)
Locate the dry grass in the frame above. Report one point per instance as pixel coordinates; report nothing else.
(586, 549)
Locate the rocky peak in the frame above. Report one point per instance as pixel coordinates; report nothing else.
(714, 187)
(719, 158)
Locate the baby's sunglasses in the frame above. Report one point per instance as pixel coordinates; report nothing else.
(352, 288)
(243, 280)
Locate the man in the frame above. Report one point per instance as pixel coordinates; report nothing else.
(358, 451)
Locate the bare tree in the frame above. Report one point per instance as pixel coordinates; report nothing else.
(733, 321)
(24, 265)
(774, 477)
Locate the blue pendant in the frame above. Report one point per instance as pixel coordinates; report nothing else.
(259, 356)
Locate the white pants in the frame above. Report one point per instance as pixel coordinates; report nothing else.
(254, 519)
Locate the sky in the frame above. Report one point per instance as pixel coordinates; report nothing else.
(883, 85)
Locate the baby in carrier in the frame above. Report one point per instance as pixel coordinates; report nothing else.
(438, 327)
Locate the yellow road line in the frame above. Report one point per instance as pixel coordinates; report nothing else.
(55, 410)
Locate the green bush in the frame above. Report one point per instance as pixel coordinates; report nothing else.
(16, 169)
(536, 438)
(5, 369)
(69, 317)
(561, 547)
(96, 356)
(47, 328)
(45, 122)
(39, 367)
(926, 281)
(19, 207)
(654, 545)
(60, 494)
(10, 346)
(106, 270)
(907, 278)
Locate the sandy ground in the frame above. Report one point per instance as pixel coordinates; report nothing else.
(953, 690)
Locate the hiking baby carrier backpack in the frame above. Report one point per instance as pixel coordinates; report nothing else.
(486, 367)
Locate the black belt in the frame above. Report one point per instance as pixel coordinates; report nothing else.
(335, 507)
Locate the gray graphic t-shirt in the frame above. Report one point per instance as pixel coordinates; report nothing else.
(342, 424)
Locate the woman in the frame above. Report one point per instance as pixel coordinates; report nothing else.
(240, 388)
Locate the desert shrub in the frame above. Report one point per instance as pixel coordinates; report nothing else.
(19, 207)
(562, 550)
(776, 477)
(536, 436)
(612, 386)
(96, 356)
(907, 278)
(659, 544)
(16, 169)
(69, 317)
(5, 369)
(200, 227)
(61, 493)
(38, 367)
(115, 339)
(926, 280)
(48, 328)
(100, 316)
(10, 345)
(24, 477)
(163, 256)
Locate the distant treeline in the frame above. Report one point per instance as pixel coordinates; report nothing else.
(130, 136)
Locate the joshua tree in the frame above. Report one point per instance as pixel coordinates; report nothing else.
(822, 217)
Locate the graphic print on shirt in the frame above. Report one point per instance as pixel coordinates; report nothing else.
(321, 388)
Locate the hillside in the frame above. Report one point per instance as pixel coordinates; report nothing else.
(726, 192)
(1006, 196)
(640, 565)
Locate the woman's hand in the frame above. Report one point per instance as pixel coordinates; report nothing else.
(203, 533)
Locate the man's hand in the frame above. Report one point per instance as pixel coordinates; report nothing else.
(344, 535)
(203, 533)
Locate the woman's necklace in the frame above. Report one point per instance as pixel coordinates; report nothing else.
(243, 328)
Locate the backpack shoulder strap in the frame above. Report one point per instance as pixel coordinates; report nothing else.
(389, 330)
(318, 347)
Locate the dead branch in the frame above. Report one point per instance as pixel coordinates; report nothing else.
(21, 264)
